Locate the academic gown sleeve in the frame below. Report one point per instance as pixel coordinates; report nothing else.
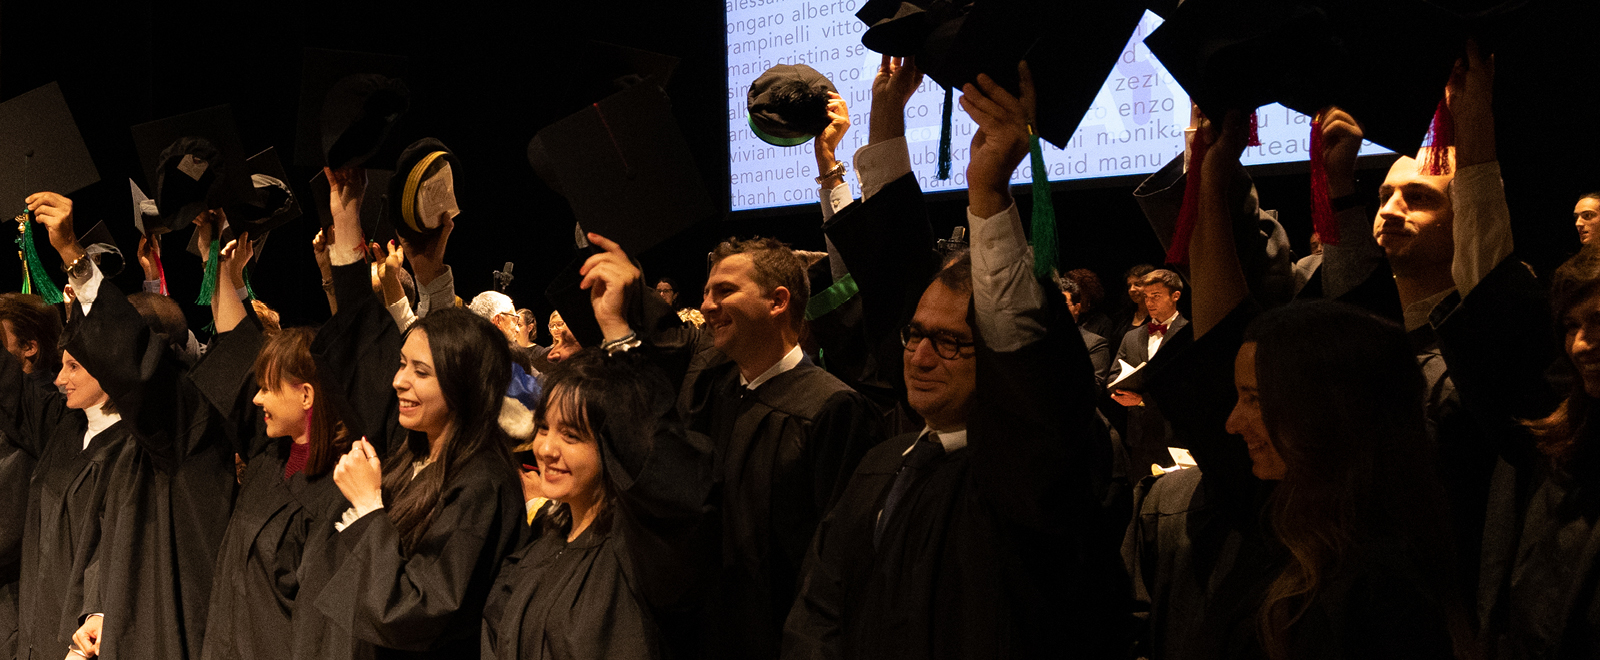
(357, 353)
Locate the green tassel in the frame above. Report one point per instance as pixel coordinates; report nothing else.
(249, 293)
(38, 277)
(944, 137)
(208, 286)
(1044, 213)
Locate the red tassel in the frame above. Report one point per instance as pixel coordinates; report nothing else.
(1255, 131)
(1441, 136)
(1178, 251)
(161, 273)
(1322, 220)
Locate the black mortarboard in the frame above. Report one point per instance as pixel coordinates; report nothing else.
(274, 202)
(193, 162)
(40, 149)
(1070, 47)
(98, 244)
(624, 167)
(422, 190)
(1385, 62)
(788, 104)
(350, 103)
(144, 208)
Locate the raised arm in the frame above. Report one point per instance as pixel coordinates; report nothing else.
(227, 310)
(1219, 283)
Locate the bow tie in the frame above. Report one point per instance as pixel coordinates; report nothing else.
(1158, 329)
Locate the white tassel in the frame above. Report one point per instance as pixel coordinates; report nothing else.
(515, 419)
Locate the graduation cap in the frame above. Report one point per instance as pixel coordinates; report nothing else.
(195, 163)
(40, 149)
(350, 103)
(788, 104)
(98, 244)
(1070, 47)
(1385, 62)
(274, 202)
(624, 167)
(422, 191)
(374, 208)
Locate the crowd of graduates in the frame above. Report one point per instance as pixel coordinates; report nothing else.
(900, 448)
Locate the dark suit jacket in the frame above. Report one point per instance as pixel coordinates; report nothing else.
(1135, 349)
(1099, 356)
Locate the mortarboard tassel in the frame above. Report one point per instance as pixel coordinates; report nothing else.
(944, 137)
(208, 286)
(1322, 220)
(1441, 136)
(161, 272)
(249, 293)
(38, 279)
(1255, 131)
(1178, 250)
(1044, 211)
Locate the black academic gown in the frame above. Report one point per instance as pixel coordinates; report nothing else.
(59, 524)
(991, 553)
(168, 503)
(258, 566)
(606, 593)
(19, 455)
(360, 596)
(1203, 558)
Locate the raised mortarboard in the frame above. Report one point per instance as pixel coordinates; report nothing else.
(374, 207)
(624, 167)
(788, 104)
(274, 202)
(195, 163)
(1385, 62)
(40, 149)
(98, 244)
(422, 191)
(350, 104)
(1070, 47)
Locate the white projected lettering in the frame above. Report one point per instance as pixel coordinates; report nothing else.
(1134, 126)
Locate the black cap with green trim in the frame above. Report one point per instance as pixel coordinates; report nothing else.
(788, 104)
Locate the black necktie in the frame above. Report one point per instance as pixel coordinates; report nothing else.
(922, 452)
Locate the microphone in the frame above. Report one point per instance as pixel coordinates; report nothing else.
(502, 278)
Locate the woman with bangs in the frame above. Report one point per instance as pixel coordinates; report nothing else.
(615, 559)
(286, 502)
(435, 503)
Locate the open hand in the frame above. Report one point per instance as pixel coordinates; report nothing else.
(897, 80)
(235, 256)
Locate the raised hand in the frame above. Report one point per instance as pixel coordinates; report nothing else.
(609, 277)
(1341, 141)
(897, 80)
(427, 255)
(1000, 142)
(828, 141)
(235, 256)
(1470, 96)
(149, 256)
(55, 213)
(206, 227)
(319, 249)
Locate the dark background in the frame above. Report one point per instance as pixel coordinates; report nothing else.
(486, 76)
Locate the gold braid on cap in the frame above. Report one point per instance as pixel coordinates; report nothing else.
(408, 199)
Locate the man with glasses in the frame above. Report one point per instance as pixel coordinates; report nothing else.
(974, 537)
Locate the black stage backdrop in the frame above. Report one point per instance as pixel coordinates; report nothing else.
(486, 76)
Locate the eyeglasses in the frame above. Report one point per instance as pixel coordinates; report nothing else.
(946, 345)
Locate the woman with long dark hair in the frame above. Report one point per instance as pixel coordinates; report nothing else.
(613, 556)
(1330, 406)
(286, 501)
(435, 502)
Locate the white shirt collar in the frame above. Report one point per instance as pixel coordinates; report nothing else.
(1417, 313)
(952, 440)
(789, 361)
(99, 420)
(1170, 319)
